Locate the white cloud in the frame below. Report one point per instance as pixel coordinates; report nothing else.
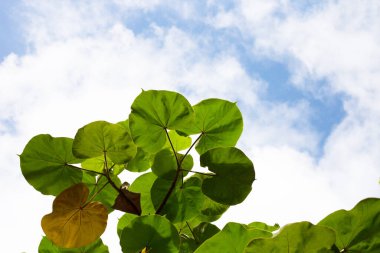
(84, 65)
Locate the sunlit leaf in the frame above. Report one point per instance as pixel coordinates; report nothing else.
(45, 164)
(220, 123)
(46, 246)
(204, 231)
(294, 238)
(74, 222)
(99, 138)
(153, 232)
(179, 142)
(97, 164)
(233, 237)
(234, 175)
(165, 164)
(141, 162)
(357, 230)
(143, 185)
(124, 221)
(155, 111)
(183, 204)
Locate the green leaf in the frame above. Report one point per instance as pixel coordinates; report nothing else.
(153, 232)
(184, 203)
(294, 238)
(233, 238)
(99, 138)
(165, 164)
(97, 164)
(155, 111)
(220, 123)
(141, 162)
(179, 142)
(45, 164)
(204, 231)
(108, 194)
(262, 226)
(234, 175)
(124, 221)
(143, 185)
(357, 230)
(187, 244)
(46, 246)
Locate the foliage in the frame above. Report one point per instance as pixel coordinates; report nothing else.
(171, 206)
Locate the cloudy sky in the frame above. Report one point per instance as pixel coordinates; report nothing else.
(305, 74)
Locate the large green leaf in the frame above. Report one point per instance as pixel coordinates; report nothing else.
(141, 162)
(233, 238)
(107, 194)
(143, 185)
(220, 123)
(184, 203)
(179, 142)
(155, 111)
(357, 230)
(97, 164)
(296, 238)
(100, 137)
(234, 175)
(165, 164)
(153, 232)
(45, 164)
(46, 246)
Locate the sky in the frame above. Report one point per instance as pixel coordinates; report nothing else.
(305, 74)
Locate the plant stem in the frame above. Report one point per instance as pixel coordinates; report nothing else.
(107, 175)
(192, 232)
(78, 168)
(199, 172)
(174, 182)
(94, 195)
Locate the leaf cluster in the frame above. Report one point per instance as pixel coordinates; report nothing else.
(171, 205)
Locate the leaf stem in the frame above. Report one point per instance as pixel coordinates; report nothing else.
(136, 209)
(199, 172)
(174, 182)
(192, 232)
(94, 195)
(78, 168)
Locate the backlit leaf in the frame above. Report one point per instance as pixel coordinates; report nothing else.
(155, 111)
(46, 246)
(143, 185)
(165, 164)
(234, 175)
(357, 230)
(153, 232)
(141, 162)
(179, 142)
(294, 238)
(99, 138)
(45, 164)
(234, 237)
(97, 164)
(74, 222)
(220, 123)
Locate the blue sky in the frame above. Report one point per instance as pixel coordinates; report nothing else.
(306, 77)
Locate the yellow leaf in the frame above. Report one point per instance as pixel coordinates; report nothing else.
(73, 222)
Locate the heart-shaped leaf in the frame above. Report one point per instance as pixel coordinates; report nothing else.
(155, 111)
(234, 175)
(220, 123)
(45, 164)
(74, 222)
(153, 233)
(99, 138)
(46, 246)
(294, 238)
(357, 230)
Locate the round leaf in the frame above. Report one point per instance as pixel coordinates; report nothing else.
(295, 238)
(179, 142)
(233, 238)
(99, 138)
(220, 123)
(234, 175)
(155, 111)
(153, 232)
(46, 246)
(357, 230)
(143, 185)
(73, 222)
(141, 162)
(45, 164)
